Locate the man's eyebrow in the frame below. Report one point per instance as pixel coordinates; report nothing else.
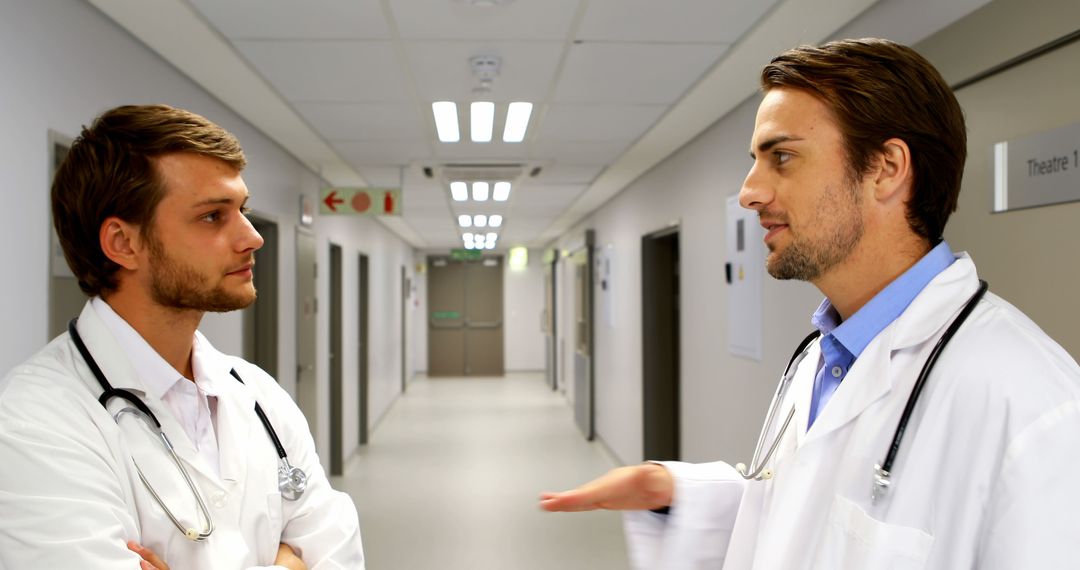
(767, 144)
(219, 201)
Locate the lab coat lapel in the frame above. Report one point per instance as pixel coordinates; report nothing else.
(235, 413)
(120, 373)
(872, 376)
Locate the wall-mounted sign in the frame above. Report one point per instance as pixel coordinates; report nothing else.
(445, 315)
(361, 201)
(466, 254)
(307, 211)
(1039, 170)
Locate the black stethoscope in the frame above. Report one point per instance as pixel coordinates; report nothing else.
(292, 481)
(758, 470)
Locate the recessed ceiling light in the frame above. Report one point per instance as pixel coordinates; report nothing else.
(482, 115)
(480, 221)
(446, 120)
(495, 221)
(480, 191)
(492, 236)
(459, 191)
(464, 221)
(502, 191)
(517, 121)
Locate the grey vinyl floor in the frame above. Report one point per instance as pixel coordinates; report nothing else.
(451, 476)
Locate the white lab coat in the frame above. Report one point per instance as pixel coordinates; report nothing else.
(70, 495)
(985, 478)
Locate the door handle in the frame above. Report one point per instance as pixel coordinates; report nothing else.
(484, 324)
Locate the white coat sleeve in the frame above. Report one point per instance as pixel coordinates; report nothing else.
(322, 527)
(62, 504)
(696, 532)
(1031, 520)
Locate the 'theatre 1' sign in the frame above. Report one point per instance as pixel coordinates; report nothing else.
(360, 201)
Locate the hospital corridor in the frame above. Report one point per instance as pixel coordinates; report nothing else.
(451, 477)
(539, 284)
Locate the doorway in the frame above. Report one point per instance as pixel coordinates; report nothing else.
(406, 287)
(337, 401)
(584, 390)
(465, 325)
(660, 320)
(550, 283)
(306, 307)
(261, 318)
(66, 299)
(362, 348)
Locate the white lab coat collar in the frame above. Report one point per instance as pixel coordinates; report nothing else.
(234, 401)
(157, 375)
(927, 315)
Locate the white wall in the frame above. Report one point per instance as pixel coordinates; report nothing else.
(62, 63)
(1029, 256)
(523, 304)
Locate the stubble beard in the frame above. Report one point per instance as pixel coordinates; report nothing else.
(807, 260)
(176, 285)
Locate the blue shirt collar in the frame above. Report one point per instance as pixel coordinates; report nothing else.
(857, 332)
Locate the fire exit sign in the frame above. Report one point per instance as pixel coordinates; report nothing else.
(361, 201)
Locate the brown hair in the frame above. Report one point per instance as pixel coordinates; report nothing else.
(879, 90)
(110, 171)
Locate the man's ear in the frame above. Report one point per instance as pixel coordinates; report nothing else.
(120, 242)
(893, 178)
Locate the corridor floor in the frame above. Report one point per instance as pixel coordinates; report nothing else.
(451, 476)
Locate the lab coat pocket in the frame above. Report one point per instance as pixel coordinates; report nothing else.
(854, 540)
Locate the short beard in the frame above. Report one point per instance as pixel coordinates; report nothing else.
(178, 286)
(806, 261)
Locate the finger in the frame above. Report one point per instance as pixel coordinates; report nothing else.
(148, 556)
(570, 501)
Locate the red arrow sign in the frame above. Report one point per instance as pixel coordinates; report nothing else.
(332, 201)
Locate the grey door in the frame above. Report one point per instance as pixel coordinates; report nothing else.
(261, 318)
(306, 307)
(551, 362)
(465, 330)
(584, 410)
(660, 344)
(362, 347)
(337, 453)
(66, 300)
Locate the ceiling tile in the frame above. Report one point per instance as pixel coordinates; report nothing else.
(614, 73)
(575, 122)
(442, 70)
(360, 153)
(568, 173)
(341, 71)
(682, 21)
(456, 19)
(289, 19)
(364, 121)
(576, 152)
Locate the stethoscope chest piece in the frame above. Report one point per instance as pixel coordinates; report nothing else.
(292, 481)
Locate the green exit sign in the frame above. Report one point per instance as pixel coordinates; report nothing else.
(465, 254)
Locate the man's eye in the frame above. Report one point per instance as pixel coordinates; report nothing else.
(781, 157)
(211, 217)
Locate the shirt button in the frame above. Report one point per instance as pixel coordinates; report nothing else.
(837, 371)
(218, 500)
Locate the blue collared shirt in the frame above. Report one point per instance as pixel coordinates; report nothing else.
(843, 342)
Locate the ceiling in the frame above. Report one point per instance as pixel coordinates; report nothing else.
(617, 85)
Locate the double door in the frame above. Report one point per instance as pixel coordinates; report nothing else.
(465, 319)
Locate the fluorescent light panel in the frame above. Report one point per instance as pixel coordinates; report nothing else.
(502, 191)
(495, 220)
(480, 221)
(480, 191)
(446, 120)
(464, 221)
(459, 191)
(517, 121)
(482, 115)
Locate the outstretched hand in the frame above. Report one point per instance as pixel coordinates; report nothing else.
(637, 487)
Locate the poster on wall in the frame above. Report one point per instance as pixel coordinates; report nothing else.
(744, 272)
